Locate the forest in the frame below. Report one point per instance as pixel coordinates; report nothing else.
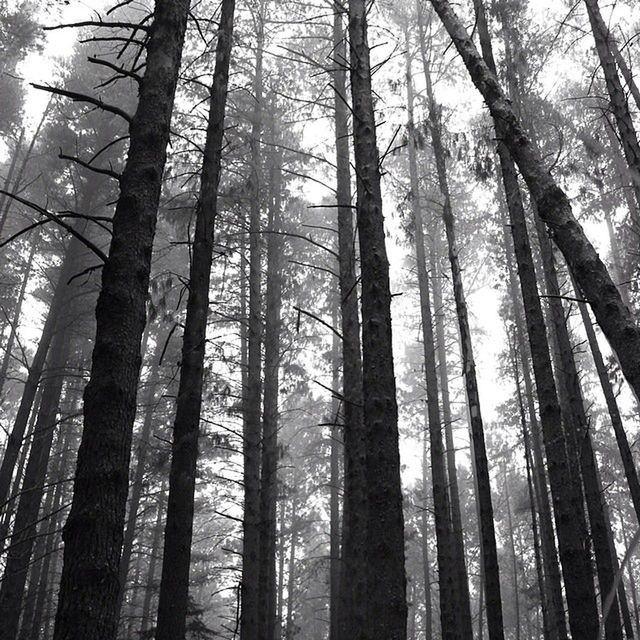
(319, 320)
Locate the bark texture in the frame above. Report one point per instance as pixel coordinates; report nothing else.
(93, 532)
(386, 586)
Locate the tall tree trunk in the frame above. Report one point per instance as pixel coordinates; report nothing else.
(269, 467)
(617, 322)
(583, 617)
(281, 561)
(386, 582)
(424, 526)
(335, 452)
(138, 477)
(550, 629)
(94, 529)
(353, 580)
(156, 551)
(626, 455)
(252, 403)
(487, 527)
(174, 585)
(617, 96)
(25, 526)
(60, 298)
(452, 606)
(291, 578)
(576, 423)
(514, 557)
(17, 312)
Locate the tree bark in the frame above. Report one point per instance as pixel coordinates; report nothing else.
(94, 529)
(252, 403)
(25, 525)
(353, 583)
(487, 527)
(617, 96)
(269, 467)
(386, 582)
(174, 585)
(617, 322)
(452, 606)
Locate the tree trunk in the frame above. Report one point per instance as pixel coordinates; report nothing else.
(353, 581)
(269, 467)
(94, 529)
(174, 585)
(252, 404)
(386, 582)
(617, 96)
(289, 628)
(25, 526)
(577, 423)
(426, 560)
(583, 617)
(17, 311)
(514, 557)
(617, 322)
(137, 483)
(452, 606)
(486, 524)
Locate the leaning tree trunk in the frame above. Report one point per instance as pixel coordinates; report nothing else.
(252, 394)
(25, 525)
(574, 556)
(353, 586)
(487, 527)
(617, 96)
(386, 582)
(617, 322)
(174, 585)
(452, 606)
(94, 529)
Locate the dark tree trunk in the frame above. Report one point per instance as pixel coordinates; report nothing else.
(486, 524)
(617, 322)
(269, 467)
(15, 319)
(174, 585)
(568, 509)
(60, 298)
(353, 584)
(252, 402)
(451, 605)
(25, 525)
(386, 582)
(617, 96)
(576, 423)
(94, 529)
(138, 477)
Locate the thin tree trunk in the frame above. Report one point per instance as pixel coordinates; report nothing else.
(17, 312)
(583, 617)
(289, 629)
(626, 455)
(252, 403)
(94, 529)
(4, 199)
(426, 560)
(617, 322)
(269, 467)
(514, 557)
(487, 527)
(174, 585)
(576, 421)
(281, 561)
(25, 526)
(335, 452)
(617, 95)
(353, 580)
(138, 477)
(156, 551)
(452, 606)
